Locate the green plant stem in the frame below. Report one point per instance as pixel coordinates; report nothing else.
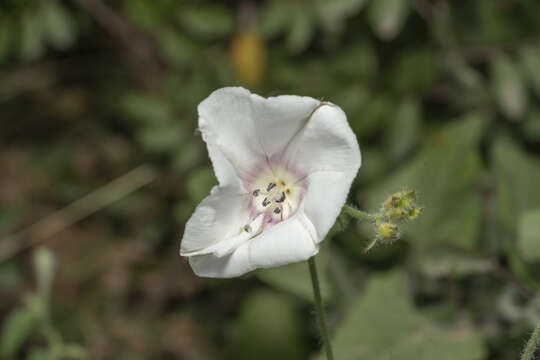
(530, 348)
(359, 214)
(320, 308)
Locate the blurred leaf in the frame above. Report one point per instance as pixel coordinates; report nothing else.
(387, 17)
(295, 278)
(448, 262)
(374, 164)
(268, 327)
(518, 176)
(374, 113)
(404, 128)
(530, 60)
(189, 154)
(275, 17)
(444, 175)
(44, 266)
(508, 87)
(199, 183)
(207, 21)
(161, 139)
(146, 109)
(40, 354)
(415, 70)
(6, 37)
(359, 60)
(383, 324)
(530, 126)
(176, 47)
(334, 13)
(58, 25)
(10, 276)
(143, 13)
(32, 45)
(16, 329)
(529, 235)
(301, 31)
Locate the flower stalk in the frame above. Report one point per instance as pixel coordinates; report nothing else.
(532, 344)
(319, 308)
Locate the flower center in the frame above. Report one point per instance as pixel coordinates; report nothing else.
(277, 193)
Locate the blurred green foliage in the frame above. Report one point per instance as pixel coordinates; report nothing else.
(444, 97)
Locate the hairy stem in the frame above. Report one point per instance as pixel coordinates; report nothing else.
(359, 214)
(320, 308)
(530, 348)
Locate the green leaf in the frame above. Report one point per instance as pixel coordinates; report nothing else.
(387, 17)
(199, 183)
(16, 330)
(207, 21)
(268, 327)
(359, 60)
(530, 126)
(58, 26)
(6, 37)
(40, 354)
(518, 176)
(508, 87)
(444, 174)
(275, 18)
(404, 128)
(300, 32)
(530, 60)
(334, 13)
(415, 70)
(295, 278)
(383, 324)
(529, 235)
(44, 266)
(146, 109)
(176, 47)
(160, 139)
(32, 44)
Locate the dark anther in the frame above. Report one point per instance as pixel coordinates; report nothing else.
(247, 228)
(270, 186)
(282, 198)
(265, 202)
(256, 192)
(277, 210)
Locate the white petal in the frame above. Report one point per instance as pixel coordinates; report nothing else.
(219, 216)
(327, 151)
(278, 119)
(286, 242)
(243, 130)
(228, 245)
(227, 125)
(326, 195)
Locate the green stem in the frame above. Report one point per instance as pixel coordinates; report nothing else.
(319, 307)
(530, 348)
(359, 214)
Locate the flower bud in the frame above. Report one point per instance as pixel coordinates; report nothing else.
(402, 205)
(387, 232)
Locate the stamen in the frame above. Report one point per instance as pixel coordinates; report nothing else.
(256, 192)
(265, 202)
(282, 198)
(270, 186)
(247, 228)
(277, 210)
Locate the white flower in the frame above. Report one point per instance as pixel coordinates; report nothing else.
(284, 166)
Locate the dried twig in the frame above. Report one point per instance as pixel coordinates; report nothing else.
(76, 211)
